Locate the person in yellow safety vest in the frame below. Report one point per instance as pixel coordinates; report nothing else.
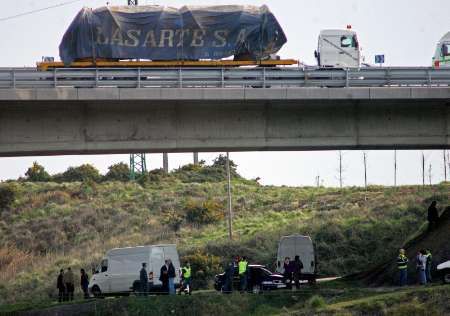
(186, 273)
(402, 264)
(243, 266)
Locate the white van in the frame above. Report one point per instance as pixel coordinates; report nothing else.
(338, 49)
(444, 270)
(118, 273)
(441, 56)
(302, 246)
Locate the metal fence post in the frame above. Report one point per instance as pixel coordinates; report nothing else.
(222, 79)
(347, 84)
(13, 78)
(96, 77)
(180, 78)
(264, 77)
(139, 77)
(55, 79)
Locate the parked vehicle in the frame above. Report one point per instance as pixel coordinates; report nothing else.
(302, 246)
(441, 56)
(118, 272)
(259, 279)
(444, 270)
(338, 49)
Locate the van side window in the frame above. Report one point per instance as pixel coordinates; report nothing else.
(104, 265)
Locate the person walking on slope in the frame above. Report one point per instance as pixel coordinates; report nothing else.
(84, 282)
(421, 264)
(243, 265)
(428, 265)
(297, 271)
(433, 216)
(143, 279)
(402, 265)
(60, 285)
(69, 279)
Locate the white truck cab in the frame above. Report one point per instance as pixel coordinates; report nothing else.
(441, 56)
(338, 49)
(302, 246)
(444, 270)
(118, 272)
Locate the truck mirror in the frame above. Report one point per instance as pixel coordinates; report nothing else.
(316, 54)
(279, 263)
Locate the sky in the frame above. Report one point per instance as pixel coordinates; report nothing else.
(406, 32)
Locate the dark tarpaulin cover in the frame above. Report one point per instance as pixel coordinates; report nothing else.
(165, 33)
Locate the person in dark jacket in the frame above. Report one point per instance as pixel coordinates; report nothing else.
(164, 277)
(229, 275)
(69, 279)
(143, 279)
(297, 271)
(172, 275)
(60, 285)
(287, 272)
(84, 282)
(433, 216)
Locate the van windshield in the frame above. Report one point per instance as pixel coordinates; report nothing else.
(349, 41)
(446, 49)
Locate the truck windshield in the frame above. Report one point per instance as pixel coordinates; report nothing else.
(349, 41)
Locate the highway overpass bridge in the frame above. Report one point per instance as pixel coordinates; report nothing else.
(77, 111)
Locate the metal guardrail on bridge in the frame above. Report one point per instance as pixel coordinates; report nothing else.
(222, 77)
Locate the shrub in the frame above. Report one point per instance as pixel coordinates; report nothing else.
(316, 302)
(208, 212)
(118, 172)
(172, 219)
(37, 173)
(8, 194)
(204, 267)
(81, 173)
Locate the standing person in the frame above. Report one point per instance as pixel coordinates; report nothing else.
(433, 216)
(297, 271)
(69, 279)
(402, 265)
(84, 282)
(60, 285)
(143, 279)
(243, 265)
(428, 266)
(186, 277)
(421, 263)
(229, 275)
(287, 266)
(164, 277)
(172, 275)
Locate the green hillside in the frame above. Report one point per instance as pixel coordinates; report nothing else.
(54, 224)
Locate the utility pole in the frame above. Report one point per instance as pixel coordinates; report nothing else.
(195, 158)
(445, 166)
(230, 210)
(318, 181)
(395, 168)
(423, 169)
(166, 162)
(429, 173)
(340, 169)
(365, 169)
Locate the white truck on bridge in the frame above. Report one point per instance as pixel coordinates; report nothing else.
(441, 56)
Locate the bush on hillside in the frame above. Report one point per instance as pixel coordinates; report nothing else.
(81, 173)
(172, 219)
(204, 268)
(207, 212)
(8, 193)
(118, 172)
(37, 173)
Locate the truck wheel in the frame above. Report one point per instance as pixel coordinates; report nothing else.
(446, 276)
(96, 292)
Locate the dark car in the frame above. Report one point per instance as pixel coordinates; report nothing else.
(259, 278)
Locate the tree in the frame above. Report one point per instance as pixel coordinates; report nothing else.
(118, 172)
(37, 173)
(81, 173)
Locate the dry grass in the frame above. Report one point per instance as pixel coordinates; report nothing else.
(13, 261)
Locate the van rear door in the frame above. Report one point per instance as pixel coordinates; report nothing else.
(170, 252)
(156, 262)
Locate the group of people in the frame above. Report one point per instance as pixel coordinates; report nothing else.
(66, 284)
(423, 267)
(292, 271)
(241, 264)
(167, 277)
